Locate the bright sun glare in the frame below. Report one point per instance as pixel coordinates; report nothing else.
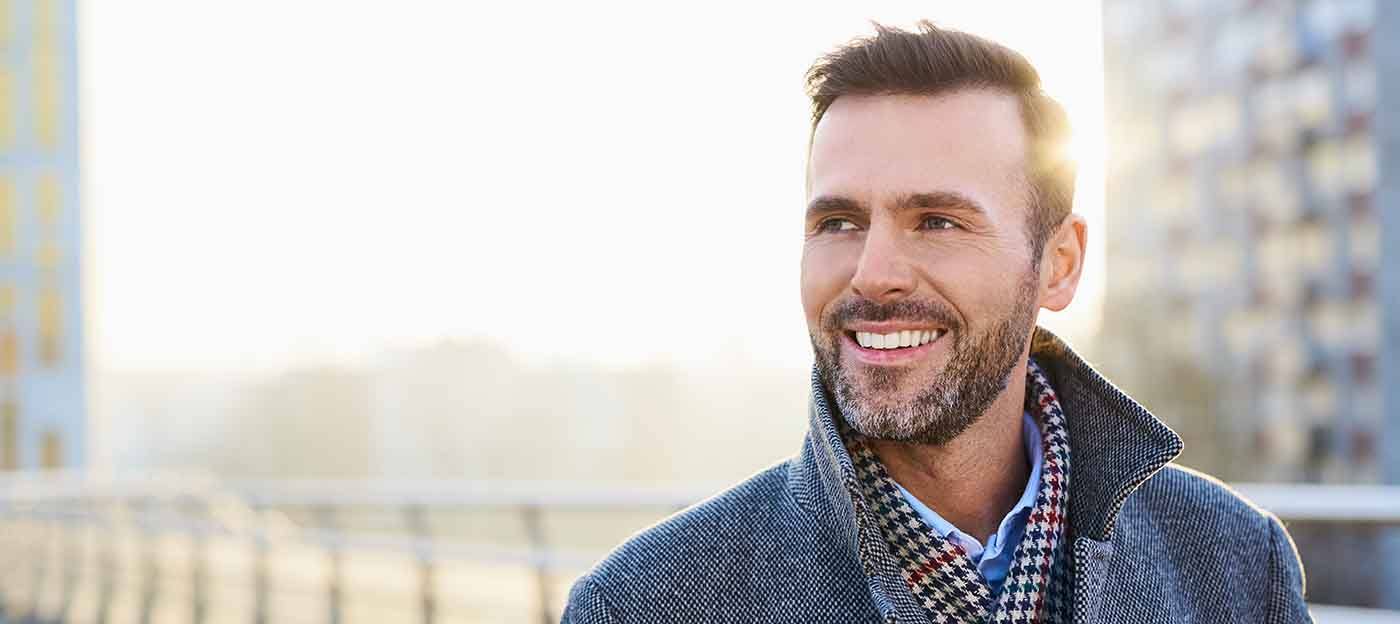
(291, 203)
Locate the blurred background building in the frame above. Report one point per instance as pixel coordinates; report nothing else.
(42, 397)
(1252, 301)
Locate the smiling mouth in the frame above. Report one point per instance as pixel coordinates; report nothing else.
(903, 339)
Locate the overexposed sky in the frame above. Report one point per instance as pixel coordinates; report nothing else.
(272, 183)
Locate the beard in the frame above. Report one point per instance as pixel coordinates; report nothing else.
(941, 408)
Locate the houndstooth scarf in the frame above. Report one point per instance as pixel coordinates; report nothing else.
(940, 574)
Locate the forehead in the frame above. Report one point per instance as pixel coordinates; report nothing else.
(874, 147)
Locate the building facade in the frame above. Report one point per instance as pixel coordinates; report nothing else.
(42, 398)
(1254, 245)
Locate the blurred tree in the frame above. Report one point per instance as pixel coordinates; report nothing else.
(308, 423)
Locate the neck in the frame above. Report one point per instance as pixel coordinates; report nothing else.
(973, 480)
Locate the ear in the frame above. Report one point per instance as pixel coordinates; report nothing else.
(1062, 262)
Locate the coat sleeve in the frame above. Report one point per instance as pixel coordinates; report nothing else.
(1286, 578)
(586, 604)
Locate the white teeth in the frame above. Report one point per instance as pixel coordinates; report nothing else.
(896, 340)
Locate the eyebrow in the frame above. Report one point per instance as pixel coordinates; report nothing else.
(827, 204)
(939, 199)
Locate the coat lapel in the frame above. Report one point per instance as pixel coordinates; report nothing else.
(1117, 445)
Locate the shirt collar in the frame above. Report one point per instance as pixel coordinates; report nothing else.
(977, 547)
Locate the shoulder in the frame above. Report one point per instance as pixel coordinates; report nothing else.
(1193, 533)
(718, 524)
(706, 555)
(1179, 501)
(1178, 495)
(1197, 521)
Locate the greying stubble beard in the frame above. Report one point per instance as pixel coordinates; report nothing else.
(976, 374)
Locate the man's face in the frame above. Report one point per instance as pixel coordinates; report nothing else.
(916, 229)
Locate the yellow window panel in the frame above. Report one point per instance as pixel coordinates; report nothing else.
(9, 435)
(9, 353)
(51, 450)
(50, 198)
(45, 27)
(50, 327)
(7, 125)
(48, 256)
(7, 301)
(50, 350)
(46, 100)
(8, 217)
(50, 311)
(5, 23)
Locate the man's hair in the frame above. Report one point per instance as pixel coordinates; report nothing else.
(935, 61)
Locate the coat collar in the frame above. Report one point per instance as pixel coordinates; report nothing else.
(1117, 445)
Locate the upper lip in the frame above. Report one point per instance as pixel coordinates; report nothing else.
(887, 327)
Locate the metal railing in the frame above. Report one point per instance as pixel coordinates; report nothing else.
(305, 524)
(434, 552)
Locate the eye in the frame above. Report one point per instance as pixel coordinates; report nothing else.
(836, 224)
(935, 222)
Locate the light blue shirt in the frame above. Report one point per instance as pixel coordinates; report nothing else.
(993, 557)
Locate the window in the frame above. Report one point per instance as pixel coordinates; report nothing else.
(47, 258)
(6, 24)
(46, 99)
(1359, 86)
(1200, 125)
(1358, 157)
(51, 450)
(50, 326)
(1313, 96)
(50, 199)
(9, 435)
(46, 73)
(45, 24)
(8, 217)
(7, 126)
(1312, 245)
(9, 353)
(1365, 239)
(1326, 164)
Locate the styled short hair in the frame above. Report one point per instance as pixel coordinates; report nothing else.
(934, 61)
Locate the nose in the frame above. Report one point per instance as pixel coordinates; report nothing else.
(883, 274)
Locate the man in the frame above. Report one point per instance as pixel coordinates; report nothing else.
(962, 464)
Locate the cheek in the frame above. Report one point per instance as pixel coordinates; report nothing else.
(826, 271)
(979, 282)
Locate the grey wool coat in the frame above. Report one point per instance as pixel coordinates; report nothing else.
(1152, 542)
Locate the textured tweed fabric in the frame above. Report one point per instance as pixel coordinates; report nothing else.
(1151, 542)
(940, 574)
